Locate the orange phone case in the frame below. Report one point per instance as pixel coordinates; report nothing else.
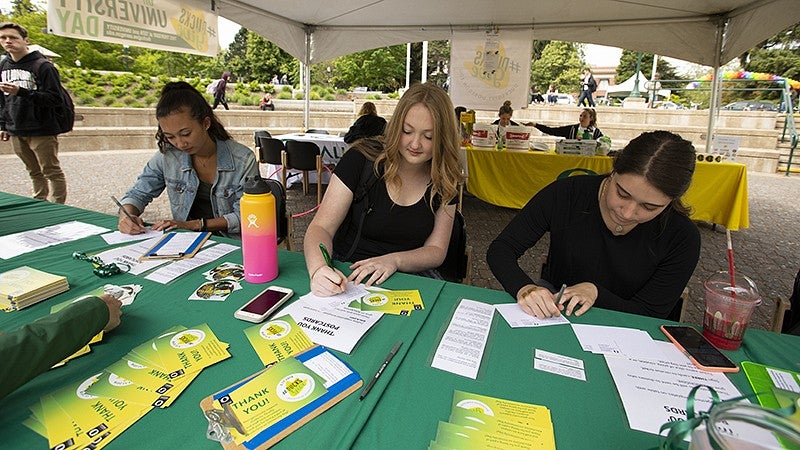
(733, 369)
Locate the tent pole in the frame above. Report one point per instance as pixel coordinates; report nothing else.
(306, 75)
(716, 85)
(408, 64)
(424, 61)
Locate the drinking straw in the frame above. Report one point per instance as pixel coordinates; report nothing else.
(730, 260)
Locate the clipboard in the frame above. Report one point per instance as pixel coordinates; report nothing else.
(220, 422)
(164, 247)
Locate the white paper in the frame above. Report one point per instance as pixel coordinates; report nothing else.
(783, 380)
(558, 359)
(558, 369)
(351, 292)
(606, 340)
(172, 271)
(334, 326)
(118, 237)
(461, 349)
(129, 255)
(329, 367)
(178, 244)
(654, 392)
(27, 241)
(518, 318)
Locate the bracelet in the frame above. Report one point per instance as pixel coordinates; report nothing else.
(527, 291)
(202, 224)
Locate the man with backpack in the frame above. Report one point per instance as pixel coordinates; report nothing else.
(32, 111)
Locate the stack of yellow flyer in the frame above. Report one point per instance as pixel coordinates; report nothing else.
(401, 303)
(262, 409)
(91, 413)
(25, 286)
(480, 422)
(277, 339)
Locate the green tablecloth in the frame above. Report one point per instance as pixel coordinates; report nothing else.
(404, 406)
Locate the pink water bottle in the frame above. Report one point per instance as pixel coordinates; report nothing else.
(259, 231)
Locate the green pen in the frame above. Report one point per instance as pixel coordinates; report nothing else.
(325, 255)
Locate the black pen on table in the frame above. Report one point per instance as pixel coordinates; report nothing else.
(125, 211)
(380, 370)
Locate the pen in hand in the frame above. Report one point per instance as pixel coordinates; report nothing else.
(125, 211)
(326, 255)
(380, 370)
(560, 297)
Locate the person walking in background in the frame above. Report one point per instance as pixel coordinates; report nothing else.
(368, 124)
(284, 79)
(588, 86)
(202, 168)
(275, 80)
(31, 92)
(219, 93)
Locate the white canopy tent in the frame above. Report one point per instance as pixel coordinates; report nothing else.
(709, 32)
(625, 88)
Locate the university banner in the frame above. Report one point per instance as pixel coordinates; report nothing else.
(489, 67)
(178, 26)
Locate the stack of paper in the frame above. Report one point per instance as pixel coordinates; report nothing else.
(98, 409)
(25, 286)
(477, 421)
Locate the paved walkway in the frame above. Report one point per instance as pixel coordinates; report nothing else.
(767, 251)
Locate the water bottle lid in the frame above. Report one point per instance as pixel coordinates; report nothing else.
(255, 185)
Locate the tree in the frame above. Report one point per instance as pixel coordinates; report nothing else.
(379, 69)
(560, 65)
(265, 59)
(627, 67)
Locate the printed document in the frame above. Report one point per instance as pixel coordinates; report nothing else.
(517, 318)
(328, 321)
(654, 391)
(461, 349)
(27, 241)
(607, 340)
(172, 271)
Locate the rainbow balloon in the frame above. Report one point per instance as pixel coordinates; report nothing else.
(745, 75)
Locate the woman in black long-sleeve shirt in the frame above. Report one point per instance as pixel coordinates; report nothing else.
(587, 123)
(622, 241)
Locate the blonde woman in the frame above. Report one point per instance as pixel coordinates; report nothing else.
(391, 201)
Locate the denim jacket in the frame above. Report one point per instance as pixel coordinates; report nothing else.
(173, 170)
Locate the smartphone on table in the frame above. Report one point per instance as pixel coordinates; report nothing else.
(699, 350)
(264, 304)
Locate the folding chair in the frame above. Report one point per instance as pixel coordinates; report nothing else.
(270, 151)
(285, 228)
(304, 156)
(259, 134)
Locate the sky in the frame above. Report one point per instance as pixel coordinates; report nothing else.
(596, 55)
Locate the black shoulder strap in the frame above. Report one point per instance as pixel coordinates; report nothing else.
(362, 203)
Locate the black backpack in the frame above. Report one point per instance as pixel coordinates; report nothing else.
(64, 113)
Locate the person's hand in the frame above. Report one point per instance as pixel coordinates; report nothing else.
(114, 311)
(124, 224)
(4, 135)
(326, 282)
(530, 124)
(582, 296)
(9, 88)
(378, 269)
(169, 225)
(538, 301)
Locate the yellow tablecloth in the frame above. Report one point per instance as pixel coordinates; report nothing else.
(718, 193)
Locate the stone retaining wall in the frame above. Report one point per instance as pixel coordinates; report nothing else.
(134, 128)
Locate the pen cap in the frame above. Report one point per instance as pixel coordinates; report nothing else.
(259, 231)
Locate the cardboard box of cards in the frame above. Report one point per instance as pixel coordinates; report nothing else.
(576, 147)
